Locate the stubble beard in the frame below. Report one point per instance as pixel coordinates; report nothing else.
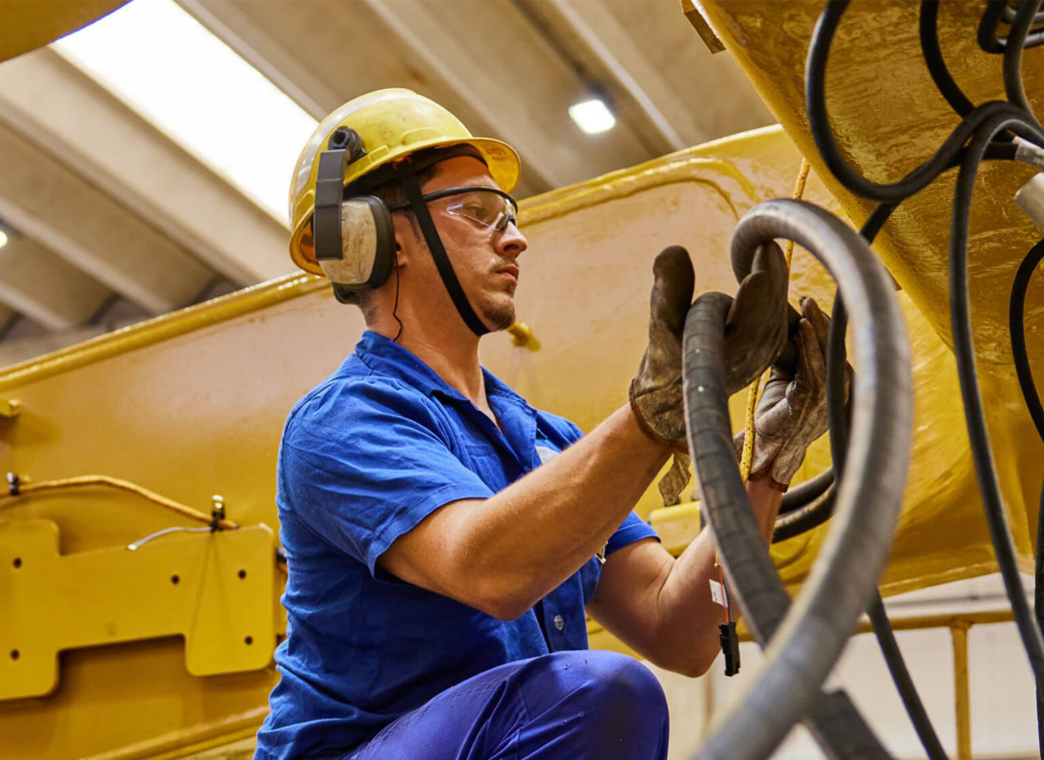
(499, 314)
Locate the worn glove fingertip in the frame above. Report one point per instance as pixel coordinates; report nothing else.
(672, 290)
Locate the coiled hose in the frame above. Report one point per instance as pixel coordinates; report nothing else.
(812, 632)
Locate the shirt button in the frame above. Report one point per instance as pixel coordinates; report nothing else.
(559, 622)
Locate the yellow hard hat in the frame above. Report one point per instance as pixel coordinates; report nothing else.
(393, 124)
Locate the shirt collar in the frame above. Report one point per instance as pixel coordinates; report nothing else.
(384, 355)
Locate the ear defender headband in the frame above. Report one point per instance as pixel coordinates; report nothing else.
(354, 239)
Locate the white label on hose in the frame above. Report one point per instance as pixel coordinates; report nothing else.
(718, 594)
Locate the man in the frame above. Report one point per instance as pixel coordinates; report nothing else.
(445, 538)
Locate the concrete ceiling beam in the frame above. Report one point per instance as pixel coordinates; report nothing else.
(59, 108)
(482, 60)
(605, 47)
(15, 350)
(7, 315)
(46, 288)
(43, 198)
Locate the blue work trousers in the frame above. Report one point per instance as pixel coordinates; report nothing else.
(579, 705)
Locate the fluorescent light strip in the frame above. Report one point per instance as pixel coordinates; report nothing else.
(592, 116)
(191, 86)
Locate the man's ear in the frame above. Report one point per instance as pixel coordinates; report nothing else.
(405, 242)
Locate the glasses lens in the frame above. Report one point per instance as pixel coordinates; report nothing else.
(487, 208)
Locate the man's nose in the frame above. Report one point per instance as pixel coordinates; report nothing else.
(511, 242)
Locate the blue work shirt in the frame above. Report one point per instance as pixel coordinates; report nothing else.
(365, 456)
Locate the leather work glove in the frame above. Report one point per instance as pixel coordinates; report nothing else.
(792, 412)
(756, 326)
(656, 390)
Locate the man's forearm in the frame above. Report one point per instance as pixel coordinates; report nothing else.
(688, 618)
(538, 531)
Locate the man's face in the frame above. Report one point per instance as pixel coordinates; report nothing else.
(484, 259)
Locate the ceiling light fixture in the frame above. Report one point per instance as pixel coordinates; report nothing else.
(3, 238)
(592, 116)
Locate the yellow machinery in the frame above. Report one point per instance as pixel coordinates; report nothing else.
(109, 651)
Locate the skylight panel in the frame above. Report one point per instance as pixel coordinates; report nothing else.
(191, 86)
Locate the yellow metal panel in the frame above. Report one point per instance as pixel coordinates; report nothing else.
(213, 589)
(29, 24)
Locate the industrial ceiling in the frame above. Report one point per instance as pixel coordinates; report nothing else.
(109, 221)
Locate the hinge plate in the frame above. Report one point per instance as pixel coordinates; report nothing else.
(214, 589)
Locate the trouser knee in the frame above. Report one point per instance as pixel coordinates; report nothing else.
(609, 704)
(627, 693)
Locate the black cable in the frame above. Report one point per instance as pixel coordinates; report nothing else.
(933, 57)
(964, 350)
(981, 124)
(395, 308)
(1017, 329)
(997, 10)
(804, 649)
(1013, 56)
(802, 495)
(837, 410)
(832, 718)
(1009, 15)
(1038, 608)
(811, 515)
(815, 96)
(903, 682)
(987, 31)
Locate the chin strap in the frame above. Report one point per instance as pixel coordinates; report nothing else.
(438, 251)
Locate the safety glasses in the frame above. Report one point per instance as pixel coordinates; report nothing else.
(486, 206)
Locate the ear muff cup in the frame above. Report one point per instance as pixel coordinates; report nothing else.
(367, 237)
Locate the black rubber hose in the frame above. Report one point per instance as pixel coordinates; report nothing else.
(879, 621)
(816, 511)
(964, 350)
(815, 96)
(801, 496)
(1009, 15)
(1013, 56)
(995, 11)
(1038, 608)
(987, 31)
(933, 57)
(1017, 329)
(832, 718)
(810, 516)
(856, 547)
(903, 682)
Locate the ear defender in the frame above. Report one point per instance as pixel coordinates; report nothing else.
(354, 239)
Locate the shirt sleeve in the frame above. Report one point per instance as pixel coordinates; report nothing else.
(631, 530)
(364, 462)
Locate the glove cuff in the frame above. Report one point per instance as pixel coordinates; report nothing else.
(636, 408)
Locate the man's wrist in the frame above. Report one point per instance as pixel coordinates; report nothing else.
(643, 425)
(766, 478)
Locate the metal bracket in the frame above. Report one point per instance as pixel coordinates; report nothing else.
(10, 408)
(215, 589)
(694, 12)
